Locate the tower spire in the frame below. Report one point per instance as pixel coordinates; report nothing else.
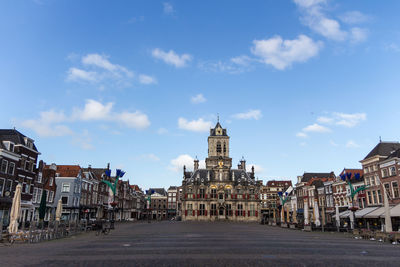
(217, 117)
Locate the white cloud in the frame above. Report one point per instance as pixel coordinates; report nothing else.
(301, 134)
(354, 17)
(257, 168)
(145, 79)
(171, 57)
(168, 8)
(343, 119)
(251, 114)
(46, 130)
(136, 120)
(101, 61)
(98, 69)
(199, 125)
(358, 35)
(93, 110)
(47, 125)
(309, 3)
(325, 120)
(316, 128)
(242, 60)
(332, 143)
(177, 164)
(234, 66)
(283, 53)
(350, 119)
(316, 19)
(303, 144)
(198, 99)
(75, 74)
(351, 144)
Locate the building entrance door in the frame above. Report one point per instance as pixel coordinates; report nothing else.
(221, 213)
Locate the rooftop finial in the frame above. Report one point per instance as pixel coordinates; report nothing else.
(380, 139)
(217, 117)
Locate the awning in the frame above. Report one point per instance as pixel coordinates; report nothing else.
(375, 214)
(394, 212)
(362, 212)
(344, 214)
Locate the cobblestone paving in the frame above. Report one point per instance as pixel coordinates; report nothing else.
(203, 244)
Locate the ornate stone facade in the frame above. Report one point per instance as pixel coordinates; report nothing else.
(219, 192)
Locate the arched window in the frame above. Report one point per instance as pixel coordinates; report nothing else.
(219, 149)
(224, 147)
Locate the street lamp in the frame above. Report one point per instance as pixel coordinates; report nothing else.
(284, 198)
(113, 187)
(353, 193)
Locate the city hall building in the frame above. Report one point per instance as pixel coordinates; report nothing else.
(220, 192)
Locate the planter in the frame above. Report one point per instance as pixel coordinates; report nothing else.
(292, 226)
(284, 225)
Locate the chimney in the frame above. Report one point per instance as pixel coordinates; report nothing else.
(196, 164)
(239, 166)
(184, 169)
(53, 166)
(108, 166)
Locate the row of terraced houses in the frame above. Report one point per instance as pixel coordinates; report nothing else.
(218, 192)
(81, 190)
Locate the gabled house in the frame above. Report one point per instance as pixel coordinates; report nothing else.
(18, 159)
(69, 187)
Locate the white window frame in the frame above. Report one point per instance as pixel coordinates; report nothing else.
(51, 181)
(1, 166)
(62, 187)
(398, 191)
(34, 195)
(4, 186)
(13, 168)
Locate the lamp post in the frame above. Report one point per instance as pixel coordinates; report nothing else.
(113, 187)
(353, 193)
(284, 198)
(148, 207)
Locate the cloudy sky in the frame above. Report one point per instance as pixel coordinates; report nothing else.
(301, 85)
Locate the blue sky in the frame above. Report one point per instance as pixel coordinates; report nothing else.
(303, 85)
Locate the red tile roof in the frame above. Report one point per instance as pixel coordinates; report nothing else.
(68, 170)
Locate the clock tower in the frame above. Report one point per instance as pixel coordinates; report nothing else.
(218, 150)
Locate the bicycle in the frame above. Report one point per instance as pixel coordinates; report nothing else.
(103, 229)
